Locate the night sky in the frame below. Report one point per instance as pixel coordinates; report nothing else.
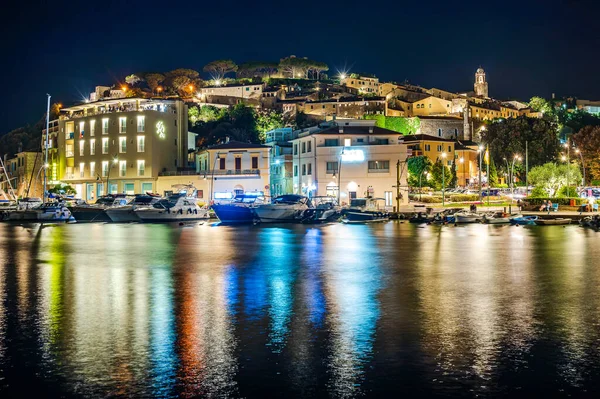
(527, 48)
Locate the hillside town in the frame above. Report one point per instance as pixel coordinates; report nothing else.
(274, 129)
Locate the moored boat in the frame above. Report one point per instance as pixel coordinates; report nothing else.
(238, 211)
(177, 208)
(285, 208)
(48, 212)
(420, 217)
(467, 217)
(553, 222)
(126, 213)
(524, 220)
(325, 210)
(499, 218)
(365, 210)
(87, 213)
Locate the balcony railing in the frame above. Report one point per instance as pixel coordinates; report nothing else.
(126, 108)
(70, 136)
(216, 172)
(379, 171)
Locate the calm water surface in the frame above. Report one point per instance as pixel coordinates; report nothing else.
(341, 311)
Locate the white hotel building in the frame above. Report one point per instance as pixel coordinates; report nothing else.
(120, 145)
(354, 156)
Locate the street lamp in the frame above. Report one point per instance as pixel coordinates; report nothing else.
(114, 162)
(420, 190)
(480, 151)
(512, 176)
(443, 179)
(462, 161)
(568, 147)
(582, 164)
(212, 178)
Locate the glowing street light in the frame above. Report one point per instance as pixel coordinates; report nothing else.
(480, 151)
(443, 179)
(343, 76)
(217, 82)
(582, 164)
(124, 88)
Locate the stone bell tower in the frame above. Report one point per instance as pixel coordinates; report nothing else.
(481, 85)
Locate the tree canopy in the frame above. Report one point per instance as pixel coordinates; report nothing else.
(552, 177)
(587, 140)
(219, 68)
(417, 166)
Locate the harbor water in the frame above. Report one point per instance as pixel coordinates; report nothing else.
(110, 310)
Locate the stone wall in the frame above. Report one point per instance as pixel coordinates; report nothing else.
(450, 127)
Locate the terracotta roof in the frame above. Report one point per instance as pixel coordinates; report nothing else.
(425, 137)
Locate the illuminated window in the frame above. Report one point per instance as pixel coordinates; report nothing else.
(104, 168)
(92, 128)
(388, 198)
(122, 168)
(81, 147)
(122, 125)
(93, 147)
(122, 145)
(379, 166)
(347, 142)
(92, 169)
(81, 129)
(105, 126)
(141, 143)
(81, 169)
(141, 124)
(105, 146)
(141, 167)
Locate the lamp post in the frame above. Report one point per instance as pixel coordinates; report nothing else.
(582, 165)
(480, 151)
(114, 162)
(512, 176)
(462, 161)
(443, 179)
(339, 173)
(420, 176)
(568, 165)
(212, 178)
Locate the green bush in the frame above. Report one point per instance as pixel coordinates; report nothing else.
(501, 186)
(567, 192)
(538, 192)
(463, 197)
(426, 199)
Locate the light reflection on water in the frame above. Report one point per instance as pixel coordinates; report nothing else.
(342, 311)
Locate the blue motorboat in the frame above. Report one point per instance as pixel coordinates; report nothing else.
(239, 210)
(524, 220)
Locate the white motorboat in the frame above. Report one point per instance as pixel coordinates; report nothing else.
(467, 217)
(178, 208)
(499, 218)
(48, 212)
(365, 210)
(285, 208)
(126, 213)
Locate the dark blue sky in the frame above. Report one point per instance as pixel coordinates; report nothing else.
(527, 48)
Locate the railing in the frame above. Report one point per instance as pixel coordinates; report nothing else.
(216, 172)
(379, 171)
(110, 110)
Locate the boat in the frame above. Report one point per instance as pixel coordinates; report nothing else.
(524, 220)
(419, 217)
(285, 208)
(96, 212)
(446, 216)
(467, 217)
(48, 212)
(553, 222)
(325, 210)
(28, 203)
(499, 218)
(590, 221)
(240, 210)
(177, 208)
(126, 213)
(365, 210)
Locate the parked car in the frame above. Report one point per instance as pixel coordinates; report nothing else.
(590, 192)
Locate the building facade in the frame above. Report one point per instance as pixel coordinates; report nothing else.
(25, 173)
(481, 84)
(234, 168)
(121, 145)
(351, 159)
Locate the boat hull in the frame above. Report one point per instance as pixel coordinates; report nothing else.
(163, 216)
(123, 215)
(50, 214)
(553, 222)
(278, 213)
(365, 217)
(90, 215)
(234, 214)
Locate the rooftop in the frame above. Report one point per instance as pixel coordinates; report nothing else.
(425, 137)
(236, 145)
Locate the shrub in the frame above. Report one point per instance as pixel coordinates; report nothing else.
(538, 192)
(568, 192)
(464, 197)
(560, 201)
(428, 199)
(501, 186)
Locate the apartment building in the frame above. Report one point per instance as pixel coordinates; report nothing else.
(234, 168)
(121, 145)
(352, 159)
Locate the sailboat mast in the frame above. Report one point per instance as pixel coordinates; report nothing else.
(46, 147)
